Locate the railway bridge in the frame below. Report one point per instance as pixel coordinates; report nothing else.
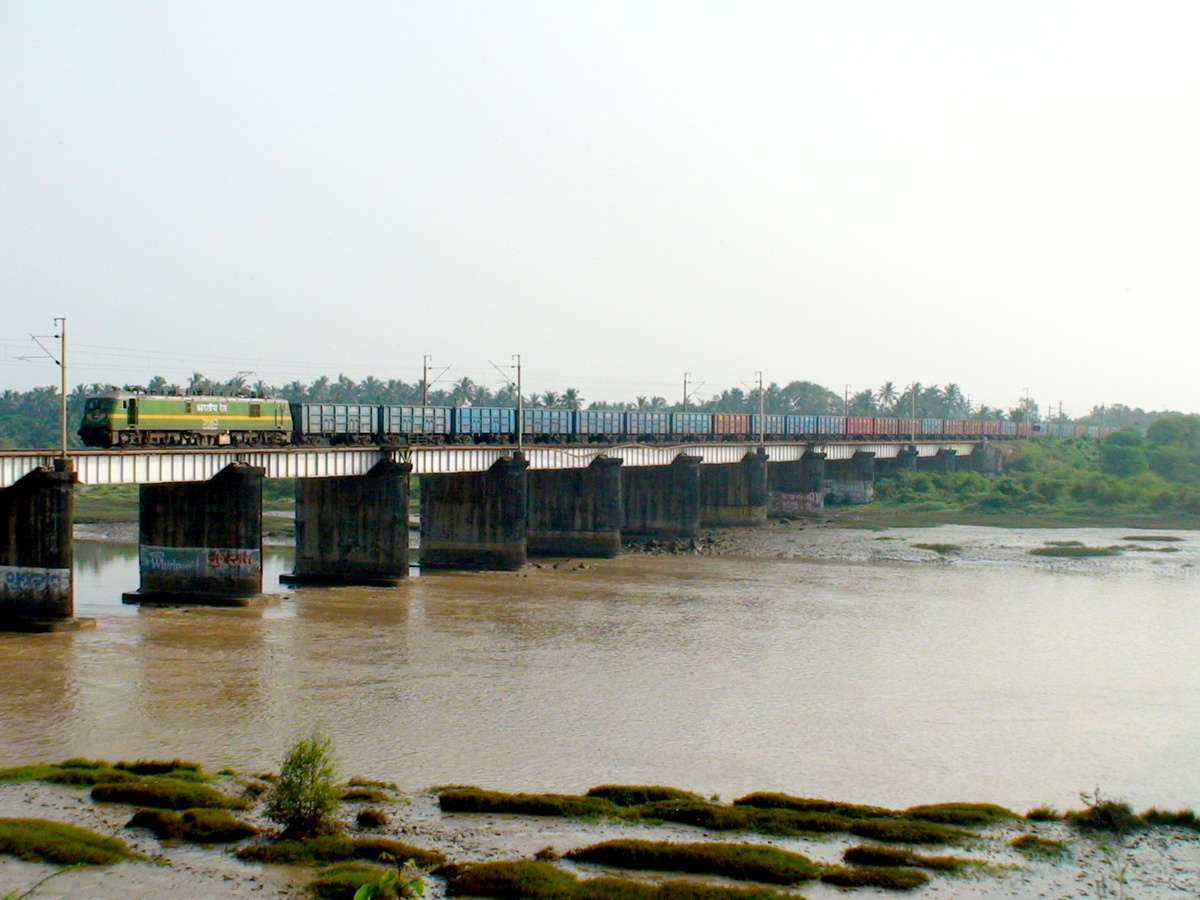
(481, 507)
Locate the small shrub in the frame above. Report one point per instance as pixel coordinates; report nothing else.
(39, 840)
(306, 792)
(371, 818)
(1105, 815)
(165, 793)
(636, 795)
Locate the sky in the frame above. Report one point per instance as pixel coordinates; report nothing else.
(1005, 196)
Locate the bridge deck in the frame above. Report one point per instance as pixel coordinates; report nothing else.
(165, 466)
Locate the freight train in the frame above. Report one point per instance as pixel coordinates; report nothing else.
(126, 418)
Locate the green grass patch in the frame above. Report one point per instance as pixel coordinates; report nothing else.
(744, 862)
(337, 848)
(967, 815)
(637, 794)
(1039, 847)
(871, 855)
(342, 881)
(875, 876)
(80, 772)
(943, 549)
(365, 795)
(775, 814)
(1075, 552)
(534, 880)
(1044, 814)
(768, 800)
(199, 826)
(166, 793)
(1155, 538)
(475, 800)
(39, 840)
(1183, 818)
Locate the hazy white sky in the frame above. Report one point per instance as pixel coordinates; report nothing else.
(1001, 195)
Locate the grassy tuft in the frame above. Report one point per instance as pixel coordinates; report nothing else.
(636, 795)
(767, 800)
(1075, 552)
(39, 840)
(942, 549)
(365, 795)
(909, 831)
(166, 793)
(474, 800)
(165, 824)
(871, 855)
(532, 880)
(371, 818)
(1032, 845)
(342, 881)
(967, 815)
(1156, 538)
(875, 876)
(1183, 818)
(745, 862)
(1044, 814)
(215, 826)
(337, 848)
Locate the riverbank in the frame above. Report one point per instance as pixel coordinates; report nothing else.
(1161, 863)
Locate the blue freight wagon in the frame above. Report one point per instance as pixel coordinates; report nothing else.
(691, 424)
(597, 424)
(771, 425)
(483, 424)
(647, 426)
(415, 424)
(337, 423)
(547, 424)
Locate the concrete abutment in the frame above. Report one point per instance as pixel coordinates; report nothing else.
(201, 543)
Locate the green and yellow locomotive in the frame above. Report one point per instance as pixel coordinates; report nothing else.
(122, 418)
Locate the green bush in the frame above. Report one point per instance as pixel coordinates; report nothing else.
(307, 790)
(875, 876)
(768, 800)
(870, 855)
(965, 814)
(214, 826)
(1033, 845)
(474, 800)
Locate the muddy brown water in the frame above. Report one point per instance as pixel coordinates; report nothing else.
(847, 665)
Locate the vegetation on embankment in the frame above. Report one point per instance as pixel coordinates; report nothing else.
(1128, 478)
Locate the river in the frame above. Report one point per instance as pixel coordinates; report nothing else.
(846, 665)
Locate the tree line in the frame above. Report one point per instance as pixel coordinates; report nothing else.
(30, 418)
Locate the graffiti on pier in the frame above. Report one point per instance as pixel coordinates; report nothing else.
(25, 581)
(206, 561)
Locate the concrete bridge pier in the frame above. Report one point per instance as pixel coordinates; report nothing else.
(476, 520)
(735, 494)
(798, 487)
(576, 512)
(201, 543)
(944, 463)
(663, 501)
(852, 480)
(905, 460)
(37, 551)
(985, 459)
(353, 529)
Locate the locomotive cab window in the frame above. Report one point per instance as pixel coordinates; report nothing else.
(256, 410)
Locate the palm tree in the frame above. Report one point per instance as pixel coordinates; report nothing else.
(571, 399)
(887, 396)
(463, 392)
